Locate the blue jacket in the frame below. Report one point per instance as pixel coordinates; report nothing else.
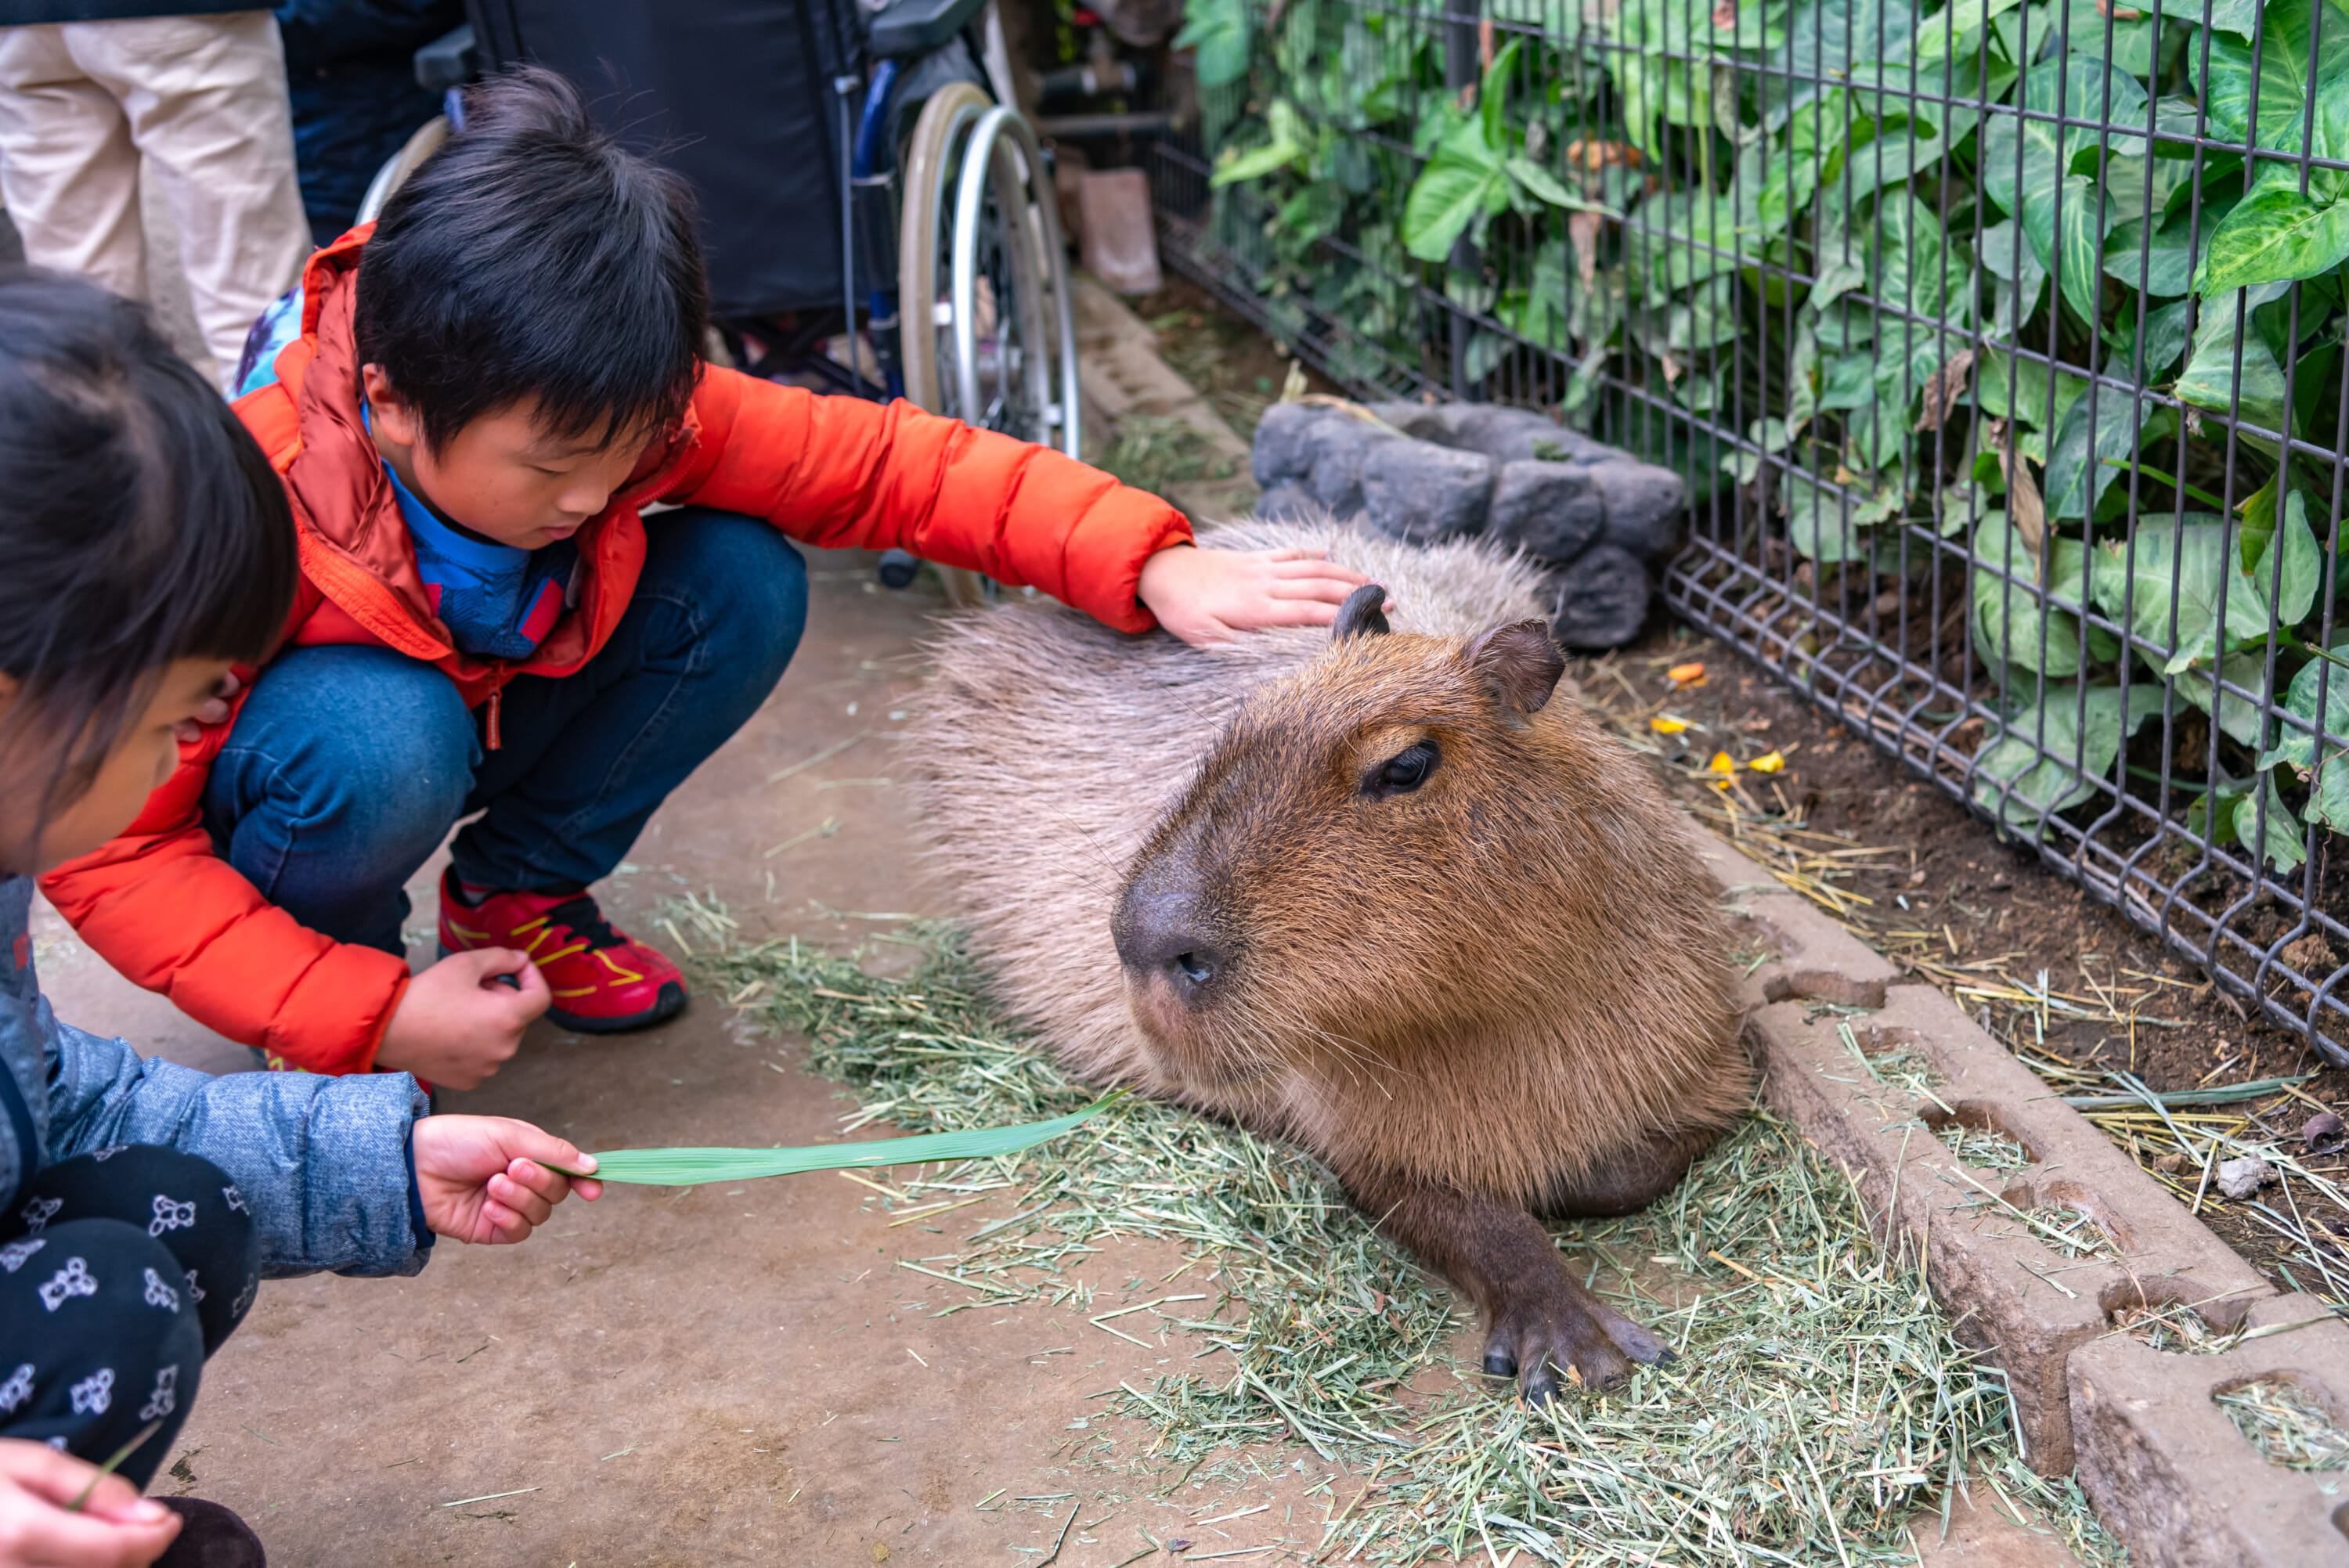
(322, 1161)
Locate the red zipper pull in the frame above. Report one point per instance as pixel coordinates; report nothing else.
(496, 697)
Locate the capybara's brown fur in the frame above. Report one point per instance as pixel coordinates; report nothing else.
(1373, 892)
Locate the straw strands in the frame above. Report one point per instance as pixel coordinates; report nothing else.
(2287, 1424)
(1817, 1404)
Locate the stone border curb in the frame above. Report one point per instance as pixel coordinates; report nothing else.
(2169, 1473)
(1872, 1067)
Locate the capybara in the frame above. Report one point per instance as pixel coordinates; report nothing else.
(1368, 890)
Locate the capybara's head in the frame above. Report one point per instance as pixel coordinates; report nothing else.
(1402, 841)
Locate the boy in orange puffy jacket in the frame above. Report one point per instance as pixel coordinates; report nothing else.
(485, 390)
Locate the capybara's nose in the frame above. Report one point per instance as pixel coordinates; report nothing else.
(1162, 933)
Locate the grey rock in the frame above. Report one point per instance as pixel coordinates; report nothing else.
(1507, 435)
(1421, 421)
(1288, 499)
(1552, 511)
(1602, 601)
(1443, 470)
(2241, 1178)
(1285, 442)
(1643, 504)
(1419, 490)
(1341, 446)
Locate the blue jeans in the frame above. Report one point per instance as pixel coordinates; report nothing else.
(348, 765)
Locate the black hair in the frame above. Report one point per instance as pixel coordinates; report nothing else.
(141, 524)
(534, 256)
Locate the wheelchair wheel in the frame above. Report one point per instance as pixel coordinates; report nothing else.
(982, 290)
(932, 155)
(925, 233)
(401, 164)
(1001, 355)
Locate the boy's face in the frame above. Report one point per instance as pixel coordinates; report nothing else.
(502, 476)
(116, 791)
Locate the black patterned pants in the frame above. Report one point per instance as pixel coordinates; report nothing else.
(121, 1270)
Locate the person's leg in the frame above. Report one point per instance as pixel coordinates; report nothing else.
(586, 760)
(96, 1340)
(187, 1203)
(205, 98)
(716, 617)
(346, 767)
(68, 172)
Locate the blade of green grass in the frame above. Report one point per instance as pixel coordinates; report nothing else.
(693, 1167)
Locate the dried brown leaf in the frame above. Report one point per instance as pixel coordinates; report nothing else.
(1948, 385)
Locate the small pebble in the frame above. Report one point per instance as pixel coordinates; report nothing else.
(2171, 1163)
(2324, 1128)
(2241, 1178)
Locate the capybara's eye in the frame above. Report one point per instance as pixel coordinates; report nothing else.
(1407, 771)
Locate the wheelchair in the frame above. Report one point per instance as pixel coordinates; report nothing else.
(920, 209)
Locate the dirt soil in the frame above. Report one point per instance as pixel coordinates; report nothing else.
(1237, 368)
(1953, 895)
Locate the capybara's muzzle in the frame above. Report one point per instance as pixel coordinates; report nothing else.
(1168, 942)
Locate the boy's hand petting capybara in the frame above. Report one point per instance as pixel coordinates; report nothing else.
(1372, 890)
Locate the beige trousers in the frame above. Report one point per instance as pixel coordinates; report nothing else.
(203, 99)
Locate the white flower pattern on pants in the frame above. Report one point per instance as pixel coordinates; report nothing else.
(94, 1393)
(70, 1280)
(160, 1295)
(165, 1398)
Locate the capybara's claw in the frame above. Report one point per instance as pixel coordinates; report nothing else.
(1537, 1340)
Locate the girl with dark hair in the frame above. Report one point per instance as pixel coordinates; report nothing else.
(149, 552)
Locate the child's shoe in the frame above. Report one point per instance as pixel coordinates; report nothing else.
(209, 1537)
(604, 981)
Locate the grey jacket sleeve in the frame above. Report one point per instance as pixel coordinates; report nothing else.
(322, 1161)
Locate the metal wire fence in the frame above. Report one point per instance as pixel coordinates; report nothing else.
(2000, 346)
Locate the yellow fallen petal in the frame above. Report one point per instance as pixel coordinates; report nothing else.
(1722, 764)
(1663, 725)
(1685, 675)
(1769, 763)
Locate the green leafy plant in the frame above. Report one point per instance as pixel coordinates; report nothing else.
(2052, 280)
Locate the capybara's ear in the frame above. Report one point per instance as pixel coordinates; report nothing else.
(1363, 614)
(1518, 664)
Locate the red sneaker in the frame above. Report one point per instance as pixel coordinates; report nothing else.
(605, 982)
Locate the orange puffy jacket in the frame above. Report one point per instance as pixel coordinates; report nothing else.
(836, 472)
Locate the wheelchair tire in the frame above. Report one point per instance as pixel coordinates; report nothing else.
(927, 194)
(400, 165)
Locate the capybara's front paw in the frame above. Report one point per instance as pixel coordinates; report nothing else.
(1538, 1333)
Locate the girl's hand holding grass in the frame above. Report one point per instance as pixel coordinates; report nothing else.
(487, 1179)
(1207, 596)
(116, 1527)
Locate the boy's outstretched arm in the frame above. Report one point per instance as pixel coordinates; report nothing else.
(843, 473)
